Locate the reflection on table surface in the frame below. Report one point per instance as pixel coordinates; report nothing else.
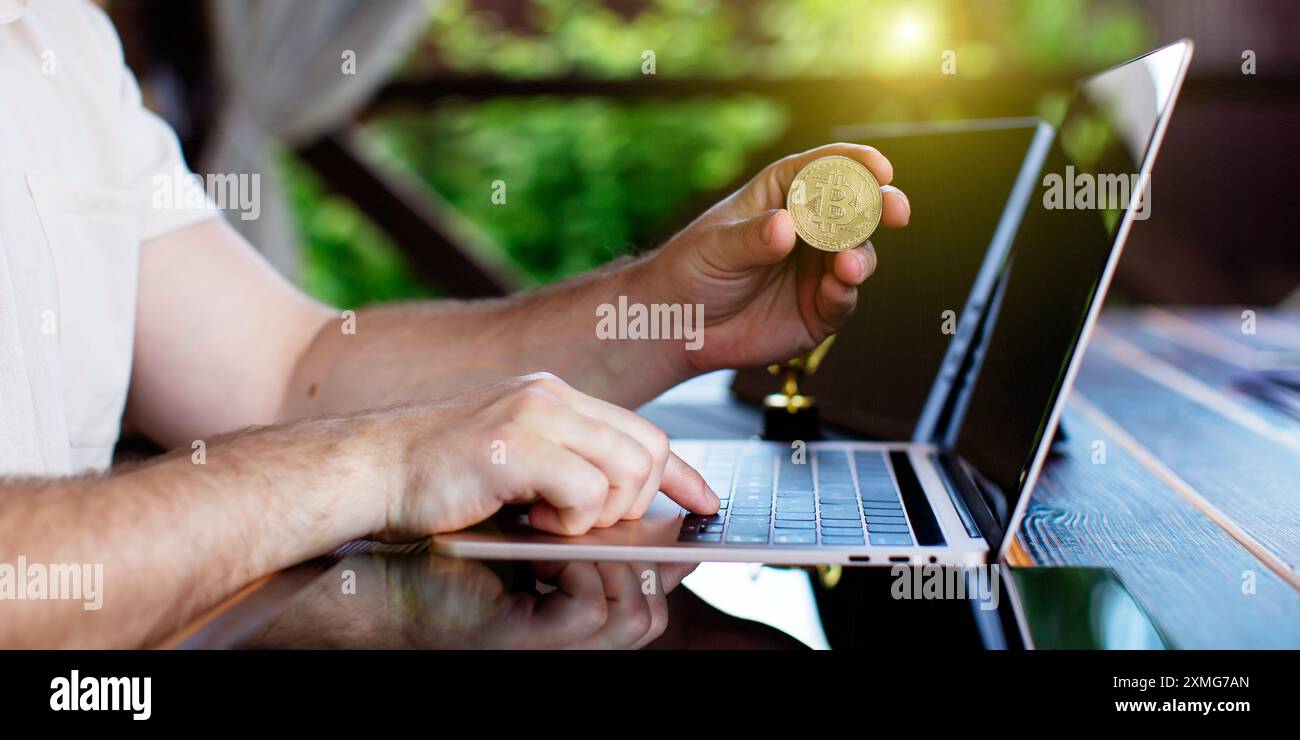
(393, 598)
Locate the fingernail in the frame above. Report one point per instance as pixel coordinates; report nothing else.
(717, 501)
(862, 265)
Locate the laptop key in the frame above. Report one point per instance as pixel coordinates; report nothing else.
(795, 537)
(796, 512)
(869, 459)
(702, 519)
(886, 528)
(879, 494)
(876, 519)
(746, 537)
(837, 514)
(891, 539)
(796, 515)
(841, 524)
(699, 537)
(841, 540)
(789, 524)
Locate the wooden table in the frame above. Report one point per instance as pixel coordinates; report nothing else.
(1197, 502)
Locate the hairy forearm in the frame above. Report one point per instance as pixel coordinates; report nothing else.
(174, 537)
(423, 351)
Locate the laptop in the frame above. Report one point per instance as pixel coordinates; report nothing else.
(957, 498)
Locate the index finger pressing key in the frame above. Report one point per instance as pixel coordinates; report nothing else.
(686, 486)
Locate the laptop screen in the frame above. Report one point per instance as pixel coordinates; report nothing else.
(881, 395)
(1058, 269)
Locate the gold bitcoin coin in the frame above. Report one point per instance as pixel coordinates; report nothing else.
(835, 203)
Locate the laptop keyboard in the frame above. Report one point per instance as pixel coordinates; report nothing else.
(767, 498)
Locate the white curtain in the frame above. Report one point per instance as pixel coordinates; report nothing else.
(282, 69)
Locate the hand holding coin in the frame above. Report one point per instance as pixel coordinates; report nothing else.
(835, 204)
(769, 296)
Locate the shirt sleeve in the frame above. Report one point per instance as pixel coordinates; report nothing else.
(170, 196)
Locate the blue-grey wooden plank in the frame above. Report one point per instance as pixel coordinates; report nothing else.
(1210, 370)
(1290, 317)
(1273, 330)
(1254, 480)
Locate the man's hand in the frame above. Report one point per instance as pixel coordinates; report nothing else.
(579, 605)
(582, 462)
(428, 602)
(764, 302)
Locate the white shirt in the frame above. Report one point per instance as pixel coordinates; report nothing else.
(79, 158)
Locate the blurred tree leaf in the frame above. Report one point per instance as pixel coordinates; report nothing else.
(776, 38)
(585, 179)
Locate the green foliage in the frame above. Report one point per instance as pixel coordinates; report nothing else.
(777, 38)
(585, 179)
(1052, 34)
(347, 261)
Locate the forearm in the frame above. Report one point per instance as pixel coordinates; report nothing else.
(429, 350)
(175, 537)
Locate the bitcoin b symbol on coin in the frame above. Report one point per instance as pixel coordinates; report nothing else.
(835, 206)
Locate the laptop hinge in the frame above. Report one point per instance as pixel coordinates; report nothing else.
(978, 502)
